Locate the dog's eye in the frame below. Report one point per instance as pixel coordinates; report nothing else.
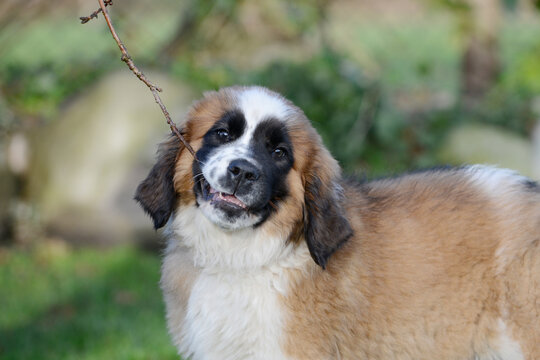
(223, 134)
(279, 153)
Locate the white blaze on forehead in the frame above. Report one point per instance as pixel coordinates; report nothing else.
(258, 104)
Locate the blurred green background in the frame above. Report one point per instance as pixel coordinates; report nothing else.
(390, 85)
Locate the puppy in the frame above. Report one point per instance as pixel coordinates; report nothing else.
(272, 254)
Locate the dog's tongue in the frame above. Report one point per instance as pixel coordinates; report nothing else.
(216, 195)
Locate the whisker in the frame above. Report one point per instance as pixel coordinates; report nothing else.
(198, 179)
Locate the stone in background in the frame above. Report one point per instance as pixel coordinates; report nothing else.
(487, 144)
(86, 165)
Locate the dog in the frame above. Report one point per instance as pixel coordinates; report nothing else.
(273, 254)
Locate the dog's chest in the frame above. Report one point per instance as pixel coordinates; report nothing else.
(234, 315)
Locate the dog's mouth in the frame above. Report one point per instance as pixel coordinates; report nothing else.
(220, 198)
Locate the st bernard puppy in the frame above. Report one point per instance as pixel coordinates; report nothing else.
(272, 254)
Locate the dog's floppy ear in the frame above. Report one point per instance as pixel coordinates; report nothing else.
(326, 227)
(156, 193)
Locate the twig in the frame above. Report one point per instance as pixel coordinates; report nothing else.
(129, 62)
(85, 19)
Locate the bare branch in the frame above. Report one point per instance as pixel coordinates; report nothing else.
(85, 19)
(129, 62)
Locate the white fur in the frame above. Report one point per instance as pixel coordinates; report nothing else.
(234, 310)
(496, 182)
(259, 104)
(233, 315)
(504, 187)
(508, 348)
(244, 249)
(504, 348)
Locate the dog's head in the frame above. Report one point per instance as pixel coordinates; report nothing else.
(260, 164)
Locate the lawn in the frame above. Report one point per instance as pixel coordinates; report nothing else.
(58, 303)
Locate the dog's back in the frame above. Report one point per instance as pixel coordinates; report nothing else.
(444, 264)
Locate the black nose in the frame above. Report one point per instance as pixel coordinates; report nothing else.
(243, 169)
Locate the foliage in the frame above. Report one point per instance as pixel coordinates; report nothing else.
(453, 5)
(509, 104)
(84, 304)
(351, 112)
(47, 60)
(39, 91)
(357, 115)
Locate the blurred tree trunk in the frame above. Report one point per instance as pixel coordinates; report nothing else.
(480, 65)
(186, 28)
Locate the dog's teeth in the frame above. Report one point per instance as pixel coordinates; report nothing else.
(232, 199)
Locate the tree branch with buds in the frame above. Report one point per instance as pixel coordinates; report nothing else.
(85, 19)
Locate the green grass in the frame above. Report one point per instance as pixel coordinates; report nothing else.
(84, 304)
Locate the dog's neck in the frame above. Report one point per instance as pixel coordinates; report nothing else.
(213, 248)
(229, 277)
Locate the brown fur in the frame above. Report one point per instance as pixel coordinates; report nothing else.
(421, 278)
